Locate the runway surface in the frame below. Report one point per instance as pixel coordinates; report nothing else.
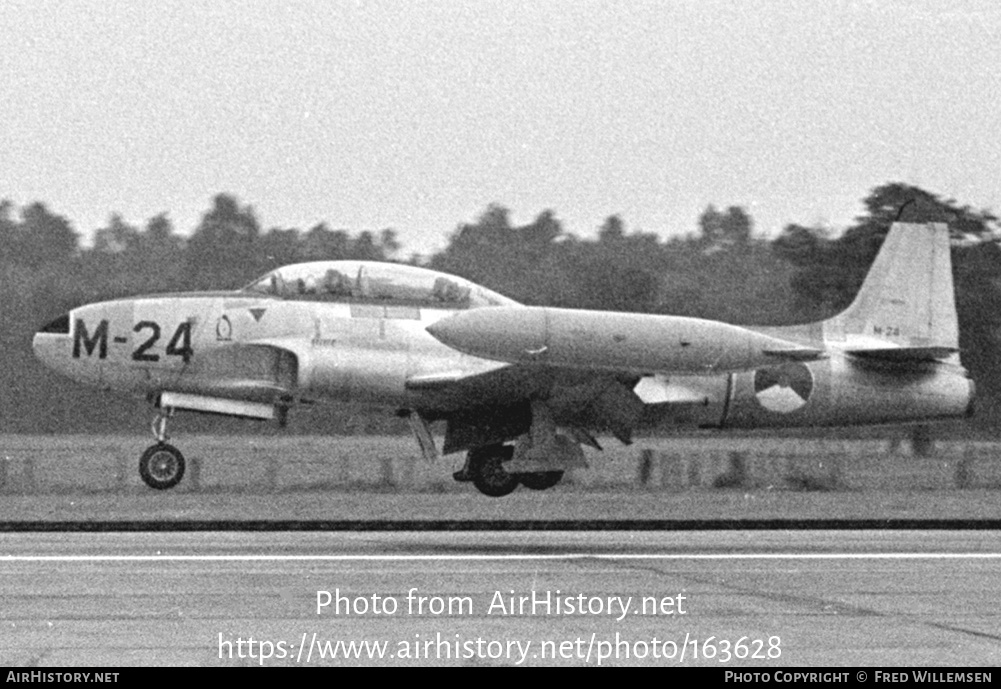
(731, 599)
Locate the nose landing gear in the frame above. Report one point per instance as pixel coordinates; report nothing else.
(161, 466)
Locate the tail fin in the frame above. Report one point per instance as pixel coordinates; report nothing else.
(906, 308)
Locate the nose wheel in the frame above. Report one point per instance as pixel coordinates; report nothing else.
(161, 466)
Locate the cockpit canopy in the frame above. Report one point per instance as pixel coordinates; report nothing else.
(373, 282)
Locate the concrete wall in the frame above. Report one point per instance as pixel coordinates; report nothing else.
(89, 464)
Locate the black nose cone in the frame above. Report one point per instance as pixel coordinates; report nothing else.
(60, 326)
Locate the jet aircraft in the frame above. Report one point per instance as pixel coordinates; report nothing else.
(520, 388)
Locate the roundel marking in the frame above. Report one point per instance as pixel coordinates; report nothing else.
(783, 389)
(223, 329)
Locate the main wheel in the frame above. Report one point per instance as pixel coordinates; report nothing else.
(486, 464)
(161, 466)
(540, 480)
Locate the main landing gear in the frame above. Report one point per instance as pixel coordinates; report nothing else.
(485, 468)
(161, 466)
(541, 480)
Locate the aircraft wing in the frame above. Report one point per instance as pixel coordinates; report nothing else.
(797, 353)
(495, 399)
(478, 383)
(453, 379)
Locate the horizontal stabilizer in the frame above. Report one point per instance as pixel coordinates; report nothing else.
(905, 354)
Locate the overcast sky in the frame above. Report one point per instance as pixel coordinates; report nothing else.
(416, 115)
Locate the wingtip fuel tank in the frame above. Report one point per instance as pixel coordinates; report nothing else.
(613, 341)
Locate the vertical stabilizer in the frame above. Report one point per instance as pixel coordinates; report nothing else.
(907, 299)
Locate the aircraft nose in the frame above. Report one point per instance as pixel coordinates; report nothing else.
(58, 326)
(49, 336)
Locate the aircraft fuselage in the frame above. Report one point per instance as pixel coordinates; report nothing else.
(367, 353)
(841, 390)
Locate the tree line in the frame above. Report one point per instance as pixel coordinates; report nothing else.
(721, 270)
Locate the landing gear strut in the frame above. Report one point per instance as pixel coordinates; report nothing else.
(161, 466)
